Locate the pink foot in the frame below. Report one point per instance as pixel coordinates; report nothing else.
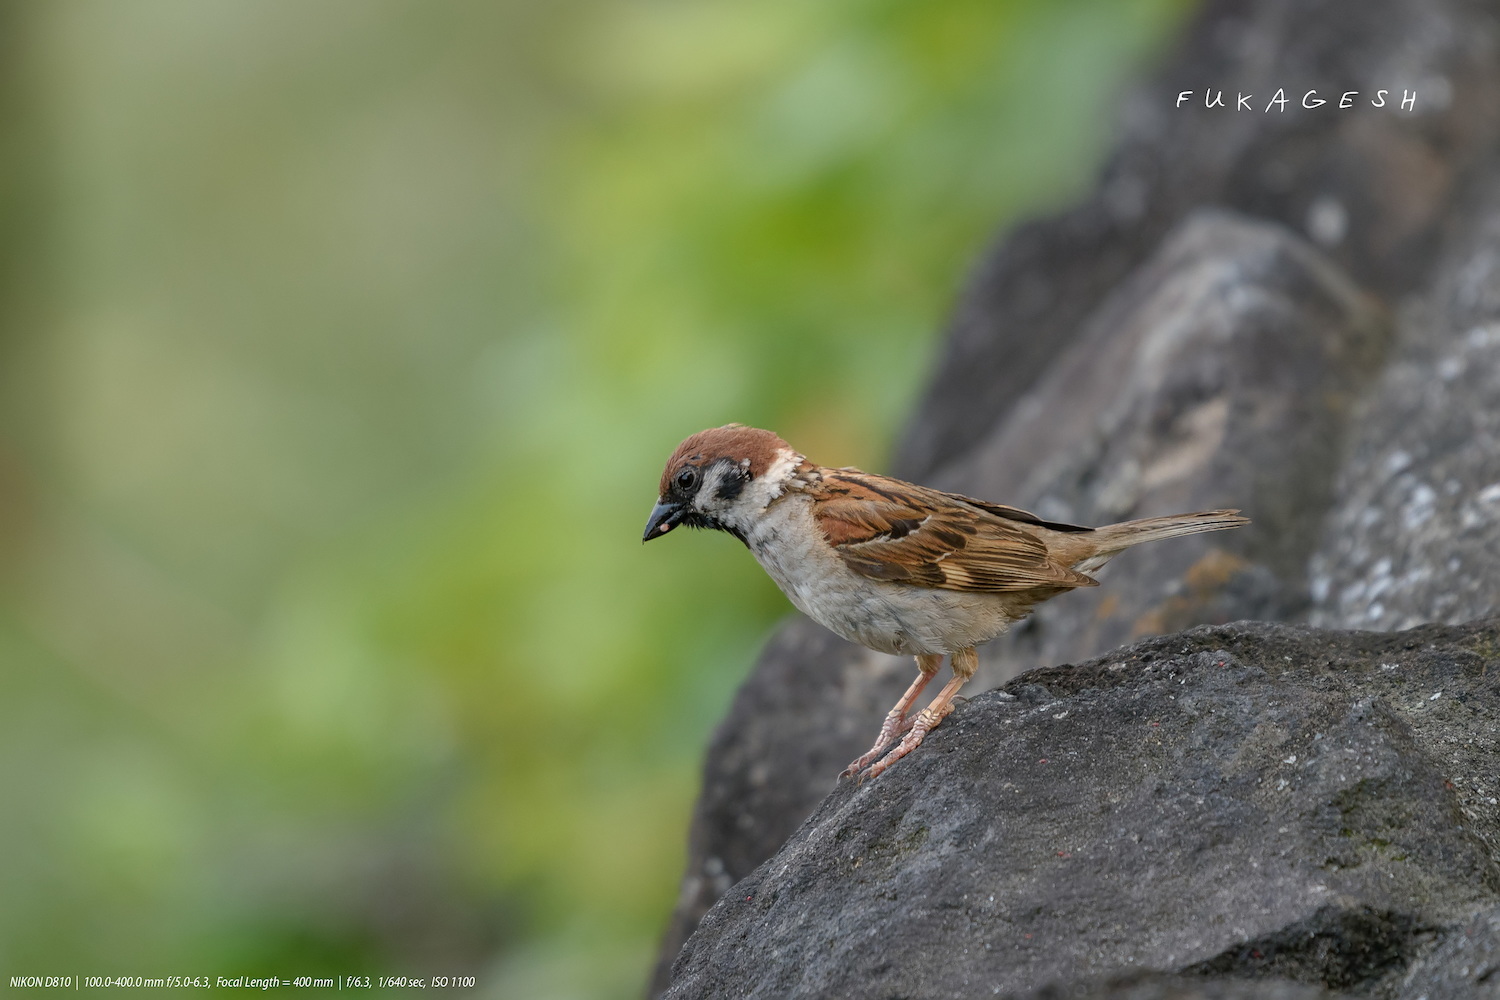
(925, 722)
(895, 724)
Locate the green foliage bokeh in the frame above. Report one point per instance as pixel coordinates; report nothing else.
(343, 346)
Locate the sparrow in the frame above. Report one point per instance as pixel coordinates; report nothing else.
(891, 565)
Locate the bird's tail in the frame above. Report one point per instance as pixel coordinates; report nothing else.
(1113, 538)
(1103, 544)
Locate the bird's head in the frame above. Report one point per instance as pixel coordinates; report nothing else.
(721, 478)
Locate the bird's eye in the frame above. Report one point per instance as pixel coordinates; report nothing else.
(687, 479)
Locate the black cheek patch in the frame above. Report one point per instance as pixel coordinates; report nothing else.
(732, 485)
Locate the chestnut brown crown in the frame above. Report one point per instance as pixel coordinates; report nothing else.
(732, 441)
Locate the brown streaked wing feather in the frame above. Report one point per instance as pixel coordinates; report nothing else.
(889, 530)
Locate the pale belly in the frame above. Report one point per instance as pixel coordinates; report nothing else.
(891, 618)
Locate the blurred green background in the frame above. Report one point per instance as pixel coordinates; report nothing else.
(342, 346)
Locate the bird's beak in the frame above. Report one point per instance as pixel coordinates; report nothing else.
(664, 517)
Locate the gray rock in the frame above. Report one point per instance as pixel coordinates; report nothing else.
(1465, 965)
(1150, 986)
(1374, 189)
(1250, 801)
(1415, 534)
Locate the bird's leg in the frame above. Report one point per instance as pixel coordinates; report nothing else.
(896, 721)
(965, 662)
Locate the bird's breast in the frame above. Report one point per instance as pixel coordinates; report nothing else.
(888, 617)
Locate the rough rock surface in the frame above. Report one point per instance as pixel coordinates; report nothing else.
(1465, 964)
(1249, 801)
(1151, 986)
(1293, 312)
(1415, 534)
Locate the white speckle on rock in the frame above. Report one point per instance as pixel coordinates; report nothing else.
(1419, 509)
(1482, 336)
(1469, 519)
(1415, 576)
(1450, 368)
(1327, 221)
(1396, 461)
(1319, 585)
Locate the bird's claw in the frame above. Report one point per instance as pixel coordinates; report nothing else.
(859, 763)
(896, 724)
(916, 731)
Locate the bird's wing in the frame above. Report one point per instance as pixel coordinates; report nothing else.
(887, 529)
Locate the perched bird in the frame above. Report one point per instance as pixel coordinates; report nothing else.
(891, 565)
